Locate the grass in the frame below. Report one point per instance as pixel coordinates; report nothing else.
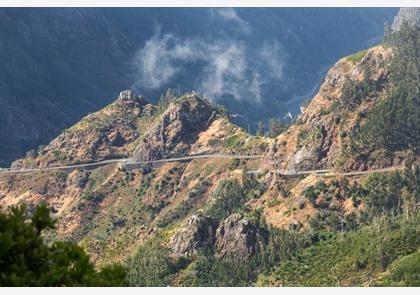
(355, 58)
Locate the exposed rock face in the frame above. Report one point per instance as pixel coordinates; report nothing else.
(238, 239)
(317, 140)
(411, 15)
(176, 130)
(198, 232)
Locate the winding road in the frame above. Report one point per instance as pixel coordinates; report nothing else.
(125, 161)
(131, 164)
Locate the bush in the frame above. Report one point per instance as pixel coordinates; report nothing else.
(311, 194)
(229, 196)
(151, 266)
(405, 272)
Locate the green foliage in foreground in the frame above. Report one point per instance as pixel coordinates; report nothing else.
(26, 260)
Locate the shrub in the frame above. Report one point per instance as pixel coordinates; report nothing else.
(27, 260)
(229, 197)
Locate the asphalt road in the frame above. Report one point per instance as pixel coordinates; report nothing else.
(128, 161)
(136, 164)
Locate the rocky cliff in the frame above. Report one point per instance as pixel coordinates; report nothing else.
(411, 15)
(320, 137)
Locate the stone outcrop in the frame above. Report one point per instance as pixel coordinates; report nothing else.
(238, 239)
(318, 139)
(411, 15)
(176, 130)
(197, 232)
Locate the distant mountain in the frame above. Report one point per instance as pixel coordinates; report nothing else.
(60, 64)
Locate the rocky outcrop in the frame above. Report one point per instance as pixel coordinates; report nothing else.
(197, 232)
(101, 135)
(318, 139)
(238, 239)
(411, 15)
(177, 129)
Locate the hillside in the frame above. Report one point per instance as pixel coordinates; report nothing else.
(59, 64)
(232, 222)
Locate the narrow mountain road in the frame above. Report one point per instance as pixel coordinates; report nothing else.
(134, 164)
(124, 161)
(353, 173)
(327, 172)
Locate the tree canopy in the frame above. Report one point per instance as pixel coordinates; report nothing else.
(27, 260)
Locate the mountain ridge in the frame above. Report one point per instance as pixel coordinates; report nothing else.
(186, 223)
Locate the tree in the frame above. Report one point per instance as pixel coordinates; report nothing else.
(27, 260)
(393, 122)
(152, 265)
(260, 130)
(276, 127)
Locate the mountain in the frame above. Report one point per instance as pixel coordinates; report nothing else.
(59, 64)
(406, 14)
(278, 220)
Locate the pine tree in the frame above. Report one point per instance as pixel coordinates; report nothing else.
(260, 130)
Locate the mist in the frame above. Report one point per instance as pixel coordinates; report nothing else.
(217, 67)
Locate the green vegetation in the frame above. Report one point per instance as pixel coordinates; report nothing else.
(382, 194)
(260, 129)
(209, 271)
(26, 259)
(353, 250)
(393, 123)
(175, 214)
(276, 127)
(230, 197)
(311, 136)
(151, 266)
(355, 58)
(233, 141)
(350, 259)
(404, 272)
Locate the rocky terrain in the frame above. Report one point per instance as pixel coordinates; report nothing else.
(222, 221)
(93, 54)
(236, 237)
(406, 14)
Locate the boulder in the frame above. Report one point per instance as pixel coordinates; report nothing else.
(238, 239)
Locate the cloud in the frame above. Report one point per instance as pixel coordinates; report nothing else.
(273, 55)
(228, 67)
(230, 15)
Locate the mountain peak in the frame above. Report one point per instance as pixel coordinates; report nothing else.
(130, 95)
